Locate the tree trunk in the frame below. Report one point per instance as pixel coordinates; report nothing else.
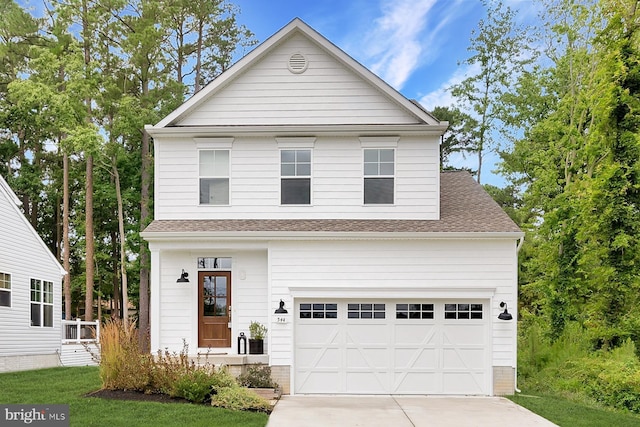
(123, 259)
(65, 237)
(89, 254)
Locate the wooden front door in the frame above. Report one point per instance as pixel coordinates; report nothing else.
(214, 309)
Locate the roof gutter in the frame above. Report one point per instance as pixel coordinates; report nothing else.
(320, 235)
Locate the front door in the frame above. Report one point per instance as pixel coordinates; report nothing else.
(214, 309)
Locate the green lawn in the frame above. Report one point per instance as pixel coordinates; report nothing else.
(564, 412)
(69, 385)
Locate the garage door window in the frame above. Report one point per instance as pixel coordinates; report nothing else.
(365, 311)
(414, 311)
(463, 311)
(319, 311)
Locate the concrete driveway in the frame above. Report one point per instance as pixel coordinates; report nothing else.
(400, 411)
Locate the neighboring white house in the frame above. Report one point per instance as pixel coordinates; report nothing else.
(300, 176)
(30, 292)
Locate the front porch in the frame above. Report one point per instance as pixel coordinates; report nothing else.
(80, 343)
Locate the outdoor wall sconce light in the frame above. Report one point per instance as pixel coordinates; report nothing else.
(281, 309)
(505, 315)
(183, 277)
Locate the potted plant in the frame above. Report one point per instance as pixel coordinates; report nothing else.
(257, 331)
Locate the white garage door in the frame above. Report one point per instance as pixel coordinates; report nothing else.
(392, 347)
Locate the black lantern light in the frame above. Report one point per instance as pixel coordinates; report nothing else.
(183, 277)
(505, 315)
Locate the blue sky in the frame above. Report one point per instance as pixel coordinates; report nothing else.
(414, 45)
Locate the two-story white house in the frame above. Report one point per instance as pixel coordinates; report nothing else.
(30, 292)
(298, 176)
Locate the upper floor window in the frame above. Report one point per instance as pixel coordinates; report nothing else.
(295, 177)
(5, 290)
(379, 172)
(214, 177)
(41, 303)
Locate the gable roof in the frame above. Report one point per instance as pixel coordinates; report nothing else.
(465, 208)
(295, 26)
(15, 203)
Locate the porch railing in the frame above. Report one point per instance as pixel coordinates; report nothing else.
(79, 331)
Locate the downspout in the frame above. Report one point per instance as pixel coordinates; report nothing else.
(515, 377)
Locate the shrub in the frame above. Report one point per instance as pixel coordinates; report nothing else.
(240, 399)
(195, 386)
(122, 365)
(257, 376)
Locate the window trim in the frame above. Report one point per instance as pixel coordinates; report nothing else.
(6, 279)
(41, 303)
(202, 149)
(297, 177)
(365, 177)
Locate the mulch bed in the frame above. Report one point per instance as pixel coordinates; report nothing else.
(135, 395)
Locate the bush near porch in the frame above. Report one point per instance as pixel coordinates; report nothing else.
(124, 367)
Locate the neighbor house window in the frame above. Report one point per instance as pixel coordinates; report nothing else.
(214, 177)
(379, 171)
(5, 290)
(295, 177)
(41, 303)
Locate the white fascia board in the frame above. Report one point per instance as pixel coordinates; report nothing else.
(363, 130)
(320, 235)
(392, 293)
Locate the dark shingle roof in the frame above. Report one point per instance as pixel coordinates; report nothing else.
(464, 208)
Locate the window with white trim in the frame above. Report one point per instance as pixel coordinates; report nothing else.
(214, 177)
(5, 290)
(295, 177)
(366, 311)
(463, 311)
(414, 311)
(41, 303)
(379, 176)
(318, 311)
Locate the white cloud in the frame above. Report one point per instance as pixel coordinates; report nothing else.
(441, 97)
(396, 40)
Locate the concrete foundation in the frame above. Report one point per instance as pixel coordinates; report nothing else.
(29, 362)
(503, 380)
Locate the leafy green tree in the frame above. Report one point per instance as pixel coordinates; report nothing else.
(459, 137)
(500, 52)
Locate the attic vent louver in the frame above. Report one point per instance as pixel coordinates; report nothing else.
(297, 63)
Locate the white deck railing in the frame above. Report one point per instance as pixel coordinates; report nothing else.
(79, 331)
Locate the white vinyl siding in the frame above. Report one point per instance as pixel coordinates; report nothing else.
(337, 190)
(326, 93)
(177, 320)
(24, 256)
(411, 267)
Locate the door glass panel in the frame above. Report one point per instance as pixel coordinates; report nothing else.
(208, 296)
(214, 296)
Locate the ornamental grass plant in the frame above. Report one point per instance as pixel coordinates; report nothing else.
(123, 366)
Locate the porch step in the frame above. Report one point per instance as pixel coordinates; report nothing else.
(79, 354)
(230, 359)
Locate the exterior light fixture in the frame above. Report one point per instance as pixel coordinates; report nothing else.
(281, 309)
(505, 315)
(183, 277)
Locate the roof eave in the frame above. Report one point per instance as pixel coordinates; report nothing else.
(152, 236)
(298, 130)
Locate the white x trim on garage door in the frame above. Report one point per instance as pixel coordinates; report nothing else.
(392, 347)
